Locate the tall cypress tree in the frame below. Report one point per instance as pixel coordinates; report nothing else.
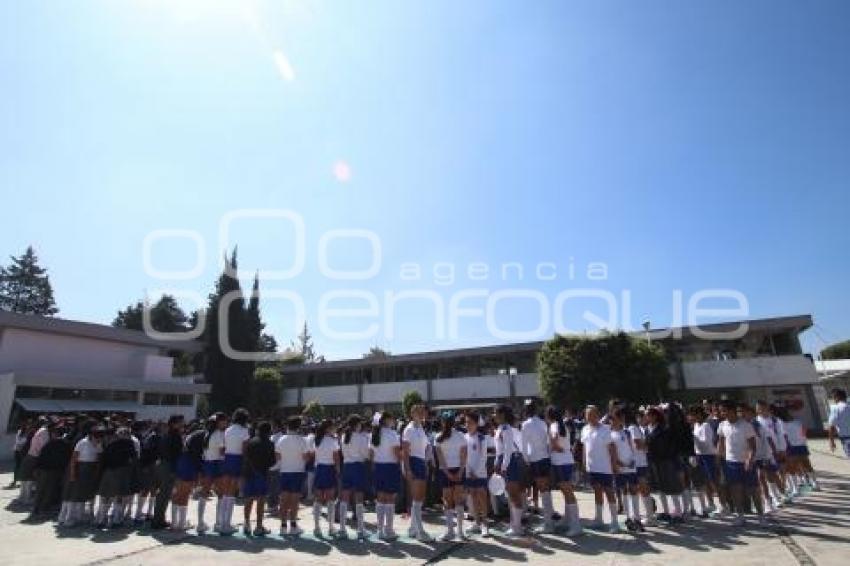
(230, 378)
(25, 286)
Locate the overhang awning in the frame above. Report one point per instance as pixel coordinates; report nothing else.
(77, 405)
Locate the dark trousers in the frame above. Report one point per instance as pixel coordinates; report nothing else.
(47, 490)
(164, 478)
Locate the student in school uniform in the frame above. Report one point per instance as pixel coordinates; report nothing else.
(273, 498)
(798, 452)
(291, 454)
(414, 447)
(635, 423)
(737, 448)
(50, 469)
(601, 464)
(27, 468)
(476, 475)
(535, 451)
(386, 455)
(327, 470)
(235, 438)
(839, 421)
(117, 461)
(451, 457)
(259, 457)
(355, 454)
(626, 476)
(768, 467)
(560, 448)
(145, 469)
(212, 479)
(705, 451)
(84, 471)
(188, 469)
(509, 466)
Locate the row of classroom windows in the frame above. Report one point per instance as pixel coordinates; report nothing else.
(399, 373)
(65, 394)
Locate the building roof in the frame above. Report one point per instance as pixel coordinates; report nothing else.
(90, 330)
(795, 322)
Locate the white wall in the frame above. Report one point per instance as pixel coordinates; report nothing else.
(464, 388)
(26, 351)
(750, 372)
(390, 392)
(527, 385)
(341, 395)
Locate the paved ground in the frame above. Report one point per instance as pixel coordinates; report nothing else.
(815, 530)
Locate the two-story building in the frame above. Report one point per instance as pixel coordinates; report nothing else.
(763, 362)
(52, 365)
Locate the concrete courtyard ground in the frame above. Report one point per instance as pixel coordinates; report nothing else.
(814, 530)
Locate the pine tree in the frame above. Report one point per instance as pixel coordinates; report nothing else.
(25, 287)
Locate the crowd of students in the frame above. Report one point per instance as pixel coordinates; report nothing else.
(650, 464)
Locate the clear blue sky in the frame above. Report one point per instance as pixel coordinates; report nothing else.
(686, 145)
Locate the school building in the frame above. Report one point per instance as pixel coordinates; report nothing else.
(766, 362)
(52, 365)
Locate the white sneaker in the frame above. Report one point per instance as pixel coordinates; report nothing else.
(412, 532)
(485, 531)
(448, 536)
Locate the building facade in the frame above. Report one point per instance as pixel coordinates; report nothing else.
(51, 365)
(765, 362)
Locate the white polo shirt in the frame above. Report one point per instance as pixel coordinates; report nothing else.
(450, 449)
(215, 447)
(535, 439)
(476, 455)
(384, 453)
(326, 449)
(290, 449)
(563, 456)
(356, 449)
(597, 440)
(736, 435)
(234, 438)
(417, 438)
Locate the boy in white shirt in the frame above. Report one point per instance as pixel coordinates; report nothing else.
(737, 448)
(291, 455)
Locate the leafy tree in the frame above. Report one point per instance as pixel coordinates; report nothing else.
(410, 399)
(837, 351)
(376, 353)
(581, 370)
(314, 409)
(165, 316)
(25, 286)
(265, 391)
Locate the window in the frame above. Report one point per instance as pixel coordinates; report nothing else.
(29, 392)
(152, 399)
(130, 396)
(184, 400)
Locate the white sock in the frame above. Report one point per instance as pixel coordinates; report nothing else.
(598, 517)
(450, 522)
(647, 504)
(688, 502)
(677, 505)
(229, 504)
(173, 515)
(572, 514)
(182, 513)
(359, 511)
(516, 517)
(25, 491)
(330, 511)
(343, 514)
(380, 512)
(548, 510)
(63, 513)
(416, 515)
(390, 512)
(219, 511)
(202, 507)
(317, 513)
(117, 512)
(151, 500)
(634, 508)
(664, 506)
(459, 515)
(612, 508)
(703, 505)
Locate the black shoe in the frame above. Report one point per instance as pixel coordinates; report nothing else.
(159, 525)
(630, 525)
(665, 517)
